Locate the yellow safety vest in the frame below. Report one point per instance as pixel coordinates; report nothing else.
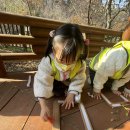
(72, 73)
(99, 58)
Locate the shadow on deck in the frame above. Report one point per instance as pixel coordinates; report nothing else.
(19, 110)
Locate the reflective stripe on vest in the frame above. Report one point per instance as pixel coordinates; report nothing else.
(72, 73)
(97, 60)
(126, 45)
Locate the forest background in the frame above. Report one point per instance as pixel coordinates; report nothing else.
(110, 14)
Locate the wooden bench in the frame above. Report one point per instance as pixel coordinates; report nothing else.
(17, 29)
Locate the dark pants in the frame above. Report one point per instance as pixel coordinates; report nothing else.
(59, 88)
(108, 83)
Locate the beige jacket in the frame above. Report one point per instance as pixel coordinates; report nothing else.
(43, 80)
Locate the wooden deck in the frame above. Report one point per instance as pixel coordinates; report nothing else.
(19, 110)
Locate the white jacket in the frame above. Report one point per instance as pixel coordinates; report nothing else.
(114, 61)
(43, 80)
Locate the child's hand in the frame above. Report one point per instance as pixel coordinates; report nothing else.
(45, 113)
(69, 101)
(97, 95)
(126, 94)
(116, 92)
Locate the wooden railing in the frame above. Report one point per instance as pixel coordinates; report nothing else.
(17, 29)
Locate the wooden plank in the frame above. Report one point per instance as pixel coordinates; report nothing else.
(72, 122)
(56, 115)
(5, 88)
(18, 39)
(104, 121)
(88, 102)
(6, 99)
(46, 23)
(14, 115)
(89, 30)
(124, 126)
(35, 122)
(96, 38)
(9, 18)
(40, 32)
(66, 112)
(21, 76)
(97, 43)
(39, 50)
(7, 91)
(19, 56)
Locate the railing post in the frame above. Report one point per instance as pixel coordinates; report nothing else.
(2, 69)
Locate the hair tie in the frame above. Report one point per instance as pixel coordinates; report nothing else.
(87, 42)
(52, 33)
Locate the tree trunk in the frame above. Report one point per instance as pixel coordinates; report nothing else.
(108, 14)
(89, 10)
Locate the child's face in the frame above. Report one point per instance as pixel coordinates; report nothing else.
(58, 50)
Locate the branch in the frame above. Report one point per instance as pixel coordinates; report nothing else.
(29, 7)
(117, 14)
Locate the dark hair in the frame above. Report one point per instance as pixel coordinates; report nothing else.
(72, 39)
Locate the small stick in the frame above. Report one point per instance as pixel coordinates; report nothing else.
(113, 105)
(85, 117)
(61, 101)
(29, 81)
(124, 98)
(106, 99)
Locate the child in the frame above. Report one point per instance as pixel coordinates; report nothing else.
(113, 64)
(62, 66)
(126, 33)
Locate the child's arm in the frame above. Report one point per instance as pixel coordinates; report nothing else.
(45, 113)
(43, 81)
(43, 85)
(75, 87)
(77, 83)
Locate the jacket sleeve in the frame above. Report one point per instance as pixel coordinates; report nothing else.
(113, 62)
(118, 83)
(77, 83)
(43, 81)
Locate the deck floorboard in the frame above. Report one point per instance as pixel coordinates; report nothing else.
(19, 110)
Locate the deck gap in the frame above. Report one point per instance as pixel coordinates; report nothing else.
(29, 115)
(9, 99)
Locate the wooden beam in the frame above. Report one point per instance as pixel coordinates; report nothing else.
(56, 115)
(40, 32)
(18, 39)
(19, 56)
(8, 18)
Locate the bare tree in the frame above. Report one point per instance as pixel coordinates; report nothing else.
(110, 16)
